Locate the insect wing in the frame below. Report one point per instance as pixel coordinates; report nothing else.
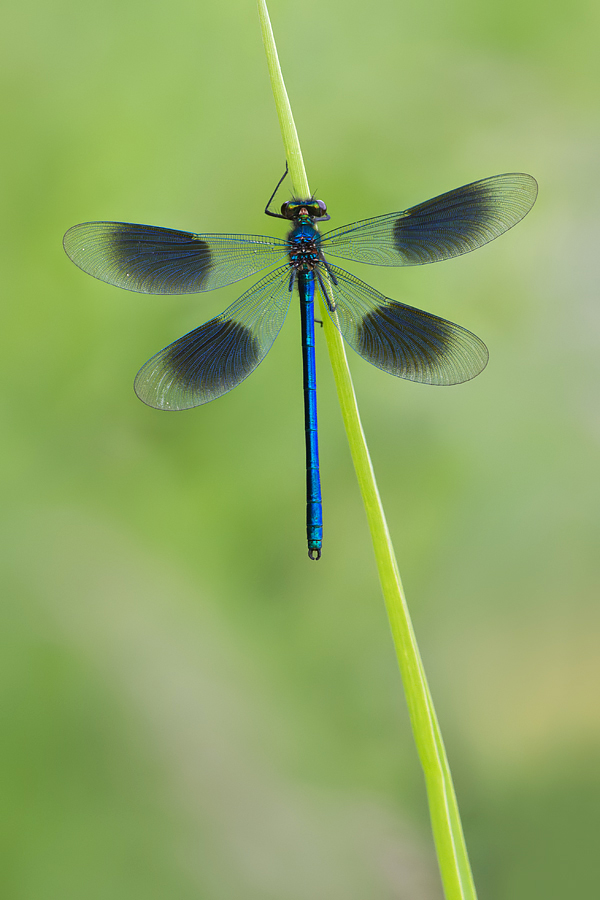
(155, 260)
(449, 225)
(214, 358)
(400, 339)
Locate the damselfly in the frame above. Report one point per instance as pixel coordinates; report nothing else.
(217, 356)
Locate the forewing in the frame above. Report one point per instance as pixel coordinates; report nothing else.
(449, 225)
(155, 260)
(400, 339)
(217, 356)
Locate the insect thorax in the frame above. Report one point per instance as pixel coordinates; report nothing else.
(304, 248)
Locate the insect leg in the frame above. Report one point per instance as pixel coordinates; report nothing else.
(330, 300)
(267, 210)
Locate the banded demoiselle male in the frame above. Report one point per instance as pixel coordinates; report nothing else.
(217, 356)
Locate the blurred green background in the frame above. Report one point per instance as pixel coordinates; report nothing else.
(190, 707)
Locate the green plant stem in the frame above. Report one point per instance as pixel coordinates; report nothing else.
(447, 830)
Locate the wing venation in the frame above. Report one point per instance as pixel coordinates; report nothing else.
(401, 339)
(153, 260)
(214, 358)
(446, 226)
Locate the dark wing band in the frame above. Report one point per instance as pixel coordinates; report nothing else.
(449, 225)
(400, 339)
(217, 356)
(155, 260)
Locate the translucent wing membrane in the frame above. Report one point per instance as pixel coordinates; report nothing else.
(447, 226)
(399, 339)
(218, 355)
(155, 260)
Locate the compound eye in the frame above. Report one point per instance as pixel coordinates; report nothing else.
(316, 209)
(285, 210)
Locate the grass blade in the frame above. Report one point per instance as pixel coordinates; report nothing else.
(445, 819)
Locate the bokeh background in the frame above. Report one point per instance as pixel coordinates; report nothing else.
(190, 707)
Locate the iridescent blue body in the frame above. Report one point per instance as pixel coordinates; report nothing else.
(314, 511)
(399, 339)
(304, 259)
